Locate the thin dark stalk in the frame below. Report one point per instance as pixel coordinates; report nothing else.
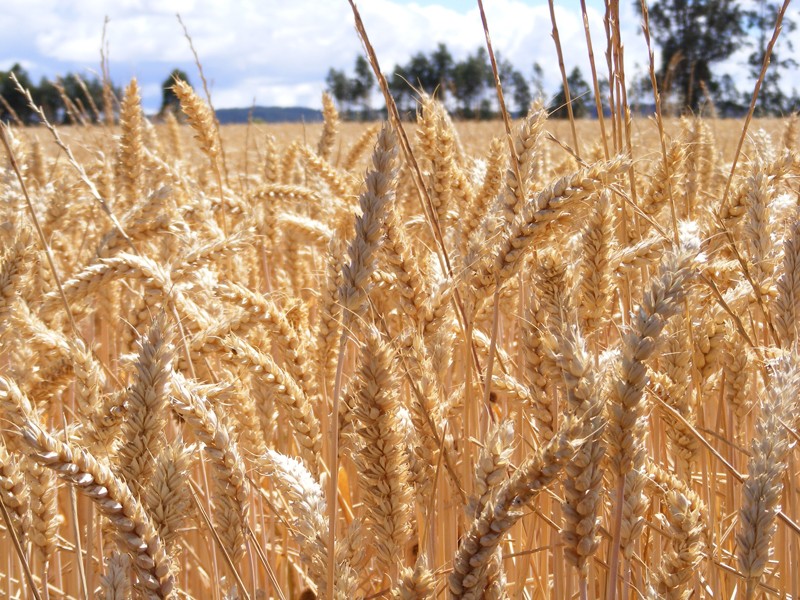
(333, 475)
(20, 552)
(267, 567)
(487, 386)
(612, 100)
(759, 82)
(500, 99)
(595, 83)
(659, 117)
(561, 66)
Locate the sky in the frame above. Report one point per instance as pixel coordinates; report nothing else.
(277, 52)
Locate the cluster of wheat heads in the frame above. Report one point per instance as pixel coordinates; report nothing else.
(532, 375)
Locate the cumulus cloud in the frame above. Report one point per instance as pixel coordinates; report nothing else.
(279, 52)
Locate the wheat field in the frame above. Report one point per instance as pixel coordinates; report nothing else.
(538, 365)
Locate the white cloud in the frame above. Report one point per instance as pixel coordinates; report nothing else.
(279, 94)
(279, 52)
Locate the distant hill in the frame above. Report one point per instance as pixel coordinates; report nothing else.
(269, 114)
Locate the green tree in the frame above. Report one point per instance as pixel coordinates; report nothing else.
(169, 100)
(46, 96)
(362, 84)
(515, 88)
(694, 35)
(470, 77)
(772, 100)
(339, 86)
(402, 92)
(441, 64)
(485, 111)
(431, 74)
(538, 81)
(640, 93)
(87, 96)
(84, 94)
(421, 73)
(351, 91)
(729, 99)
(521, 93)
(11, 95)
(505, 70)
(579, 94)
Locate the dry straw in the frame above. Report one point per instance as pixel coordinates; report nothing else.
(356, 362)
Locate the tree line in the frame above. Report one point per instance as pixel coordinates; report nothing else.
(696, 36)
(468, 84)
(66, 99)
(693, 37)
(70, 99)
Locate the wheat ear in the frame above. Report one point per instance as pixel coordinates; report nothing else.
(595, 269)
(416, 583)
(468, 579)
(356, 275)
(526, 139)
(114, 583)
(167, 497)
(490, 471)
(305, 424)
(301, 490)
(761, 494)
(147, 408)
(134, 529)
(627, 412)
(496, 162)
(583, 483)
(330, 128)
(535, 215)
(13, 267)
(382, 465)
(131, 146)
(15, 493)
(45, 518)
(174, 136)
(374, 203)
(200, 118)
(229, 470)
(685, 516)
(787, 304)
(359, 147)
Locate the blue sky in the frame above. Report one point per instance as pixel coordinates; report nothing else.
(277, 52)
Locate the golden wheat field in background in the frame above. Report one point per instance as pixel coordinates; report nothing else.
(536, 368)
